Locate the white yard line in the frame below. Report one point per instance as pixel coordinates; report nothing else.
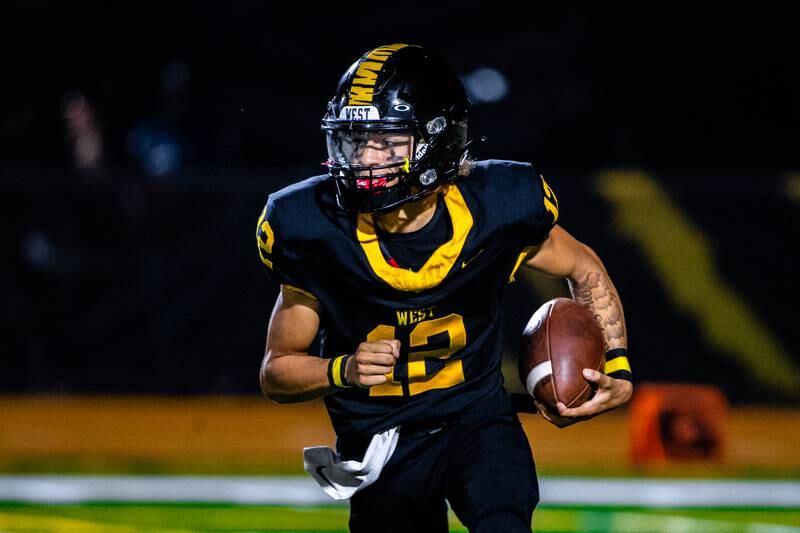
(625, 521)
(670, 492)
(572, 491)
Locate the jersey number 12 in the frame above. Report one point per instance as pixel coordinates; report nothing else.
(418, 380)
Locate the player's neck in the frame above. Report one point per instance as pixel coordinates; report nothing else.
(409, 217)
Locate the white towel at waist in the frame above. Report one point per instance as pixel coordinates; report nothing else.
(341, 479)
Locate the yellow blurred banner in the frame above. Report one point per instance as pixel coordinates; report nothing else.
(683, 258)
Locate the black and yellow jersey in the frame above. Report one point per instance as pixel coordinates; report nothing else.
(437, 290)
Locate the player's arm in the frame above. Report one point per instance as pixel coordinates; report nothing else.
(561, 255)
(290, 374)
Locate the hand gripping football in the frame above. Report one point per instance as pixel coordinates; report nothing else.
(561, 339)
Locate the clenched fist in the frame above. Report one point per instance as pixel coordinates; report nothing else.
(371, 363)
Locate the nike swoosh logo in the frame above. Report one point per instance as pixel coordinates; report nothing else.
(470, 260)
(322, 474)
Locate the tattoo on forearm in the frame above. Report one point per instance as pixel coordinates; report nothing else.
(596, 291)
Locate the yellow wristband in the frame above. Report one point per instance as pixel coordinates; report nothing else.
(336, 369)
(617, 364)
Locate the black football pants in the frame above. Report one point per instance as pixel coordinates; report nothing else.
(482, 466)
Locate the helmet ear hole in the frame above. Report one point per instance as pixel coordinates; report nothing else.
(436, 126)
(428, 177)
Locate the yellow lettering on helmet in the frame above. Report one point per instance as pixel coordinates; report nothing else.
(383, 52)
(360, 95)
(367, 73)
(361, 92)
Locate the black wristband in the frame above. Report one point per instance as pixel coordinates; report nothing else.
(342, 367)
(330, 372)
(617, 364)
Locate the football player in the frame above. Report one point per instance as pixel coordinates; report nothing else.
(394, 261)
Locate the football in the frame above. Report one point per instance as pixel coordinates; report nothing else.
(561, 339)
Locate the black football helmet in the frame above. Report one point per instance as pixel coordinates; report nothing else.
(413, 108)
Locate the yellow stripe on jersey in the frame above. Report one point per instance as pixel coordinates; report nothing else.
(438, 264)
(522, 256)
(298, 290)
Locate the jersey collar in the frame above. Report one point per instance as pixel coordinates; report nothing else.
(438, 264)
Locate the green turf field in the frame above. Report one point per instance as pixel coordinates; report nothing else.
(182, 518)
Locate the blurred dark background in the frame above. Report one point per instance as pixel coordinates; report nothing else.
(138, 142)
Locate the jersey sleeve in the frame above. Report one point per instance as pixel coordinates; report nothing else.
(274, 252)
(537, 207)
(535, 211)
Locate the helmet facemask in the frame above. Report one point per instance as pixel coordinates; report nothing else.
(373, 168)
